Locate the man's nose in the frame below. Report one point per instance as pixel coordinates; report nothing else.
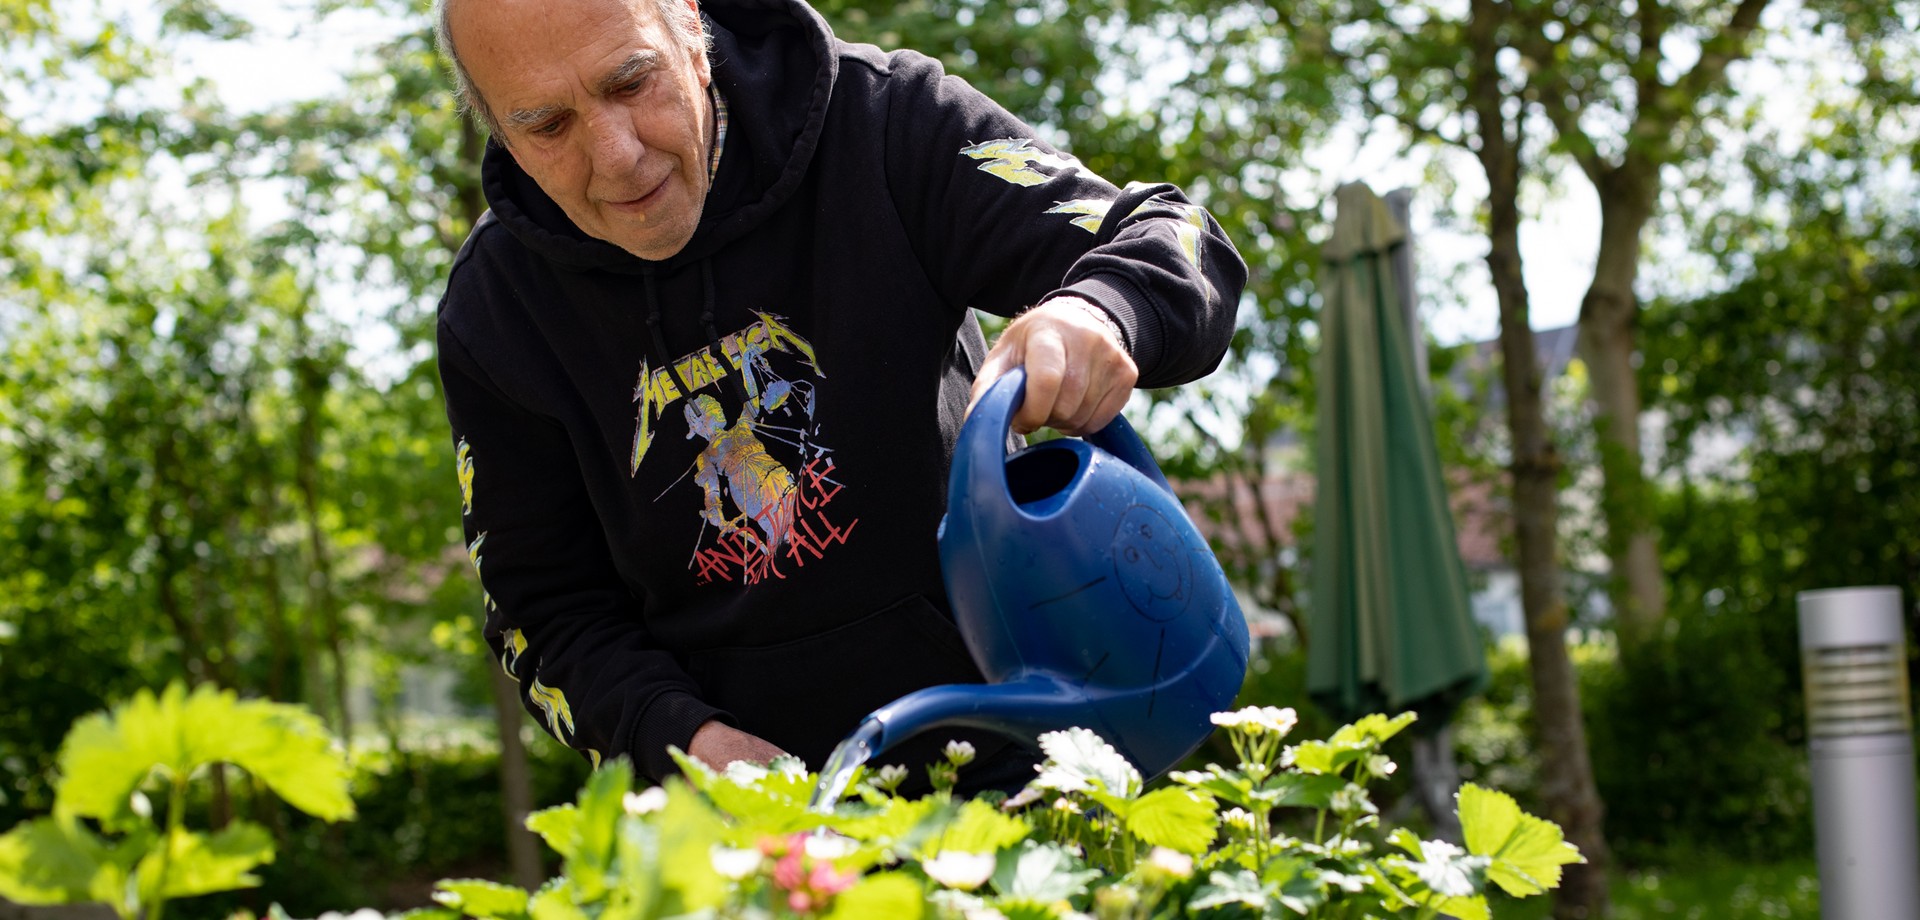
(613, 145)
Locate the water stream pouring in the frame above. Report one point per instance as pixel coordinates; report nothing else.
(1084, 593)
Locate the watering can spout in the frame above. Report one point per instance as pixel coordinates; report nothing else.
(1023, 708)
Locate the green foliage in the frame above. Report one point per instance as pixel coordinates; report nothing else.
(1083, 838)
(138, 865)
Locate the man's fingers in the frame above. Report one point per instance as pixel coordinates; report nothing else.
(1001, 359)
(1046, 376)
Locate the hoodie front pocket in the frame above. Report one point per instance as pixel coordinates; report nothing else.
(807, 694)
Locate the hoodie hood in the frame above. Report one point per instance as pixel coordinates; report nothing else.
(774, 63)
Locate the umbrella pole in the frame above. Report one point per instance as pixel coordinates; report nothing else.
(1436, 773)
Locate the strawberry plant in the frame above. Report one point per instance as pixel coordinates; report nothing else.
(1083, 839)
(108, 842)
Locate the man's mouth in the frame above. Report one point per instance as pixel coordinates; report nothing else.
(646, 199)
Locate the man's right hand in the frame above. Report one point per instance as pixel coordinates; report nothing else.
(717, 744)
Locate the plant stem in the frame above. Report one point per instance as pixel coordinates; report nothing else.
(176, 822)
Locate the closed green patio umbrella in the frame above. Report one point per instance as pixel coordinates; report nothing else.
(1389, 624)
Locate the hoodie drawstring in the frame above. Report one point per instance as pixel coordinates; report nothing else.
(661, 353)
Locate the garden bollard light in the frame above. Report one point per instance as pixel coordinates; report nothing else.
(1860, 738)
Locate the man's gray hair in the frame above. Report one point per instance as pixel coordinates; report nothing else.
(683, 23)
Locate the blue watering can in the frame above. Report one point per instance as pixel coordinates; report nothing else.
(1084, 593)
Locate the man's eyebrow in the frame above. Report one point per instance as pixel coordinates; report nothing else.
(637, 63)
(527, 118)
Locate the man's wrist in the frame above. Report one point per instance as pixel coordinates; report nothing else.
(1100, 313)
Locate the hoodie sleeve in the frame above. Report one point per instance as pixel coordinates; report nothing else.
(558, 617)
(1001, 221)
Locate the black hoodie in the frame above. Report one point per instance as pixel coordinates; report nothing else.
(762, 550)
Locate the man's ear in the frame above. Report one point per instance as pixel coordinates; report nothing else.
(701, 67)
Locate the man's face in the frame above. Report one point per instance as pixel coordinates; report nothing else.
(603, 106)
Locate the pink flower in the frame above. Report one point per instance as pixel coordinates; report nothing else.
(809, 883)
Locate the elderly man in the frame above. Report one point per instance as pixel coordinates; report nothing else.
(726, 248)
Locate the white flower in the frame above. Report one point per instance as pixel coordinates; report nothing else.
(1172, 862)
(732, 863)
(890, 776)
(970, 907)
(1067, 805)
(1258, 719)
(959, 753)
(965, 871)
(1077, 758)
(1238, 817)
(746, 772)
(645, 803)
(829, 846)
(789, 766)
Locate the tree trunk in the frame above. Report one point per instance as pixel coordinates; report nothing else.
(516, 781)
(1608, 316)
(1566, 773)
(1566, 776)
(311, 380)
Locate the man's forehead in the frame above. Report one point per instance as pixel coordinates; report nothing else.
(524, 37)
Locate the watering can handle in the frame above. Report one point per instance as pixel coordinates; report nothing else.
(982, 451)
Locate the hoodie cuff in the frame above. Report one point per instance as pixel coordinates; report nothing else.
(1129, 307)
(669, 721)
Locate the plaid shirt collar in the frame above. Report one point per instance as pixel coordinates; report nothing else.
(719, 132)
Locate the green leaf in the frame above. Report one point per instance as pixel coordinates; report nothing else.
(555, 901)
(1179, 819)
(559, 826)
(107, 756)
(1041, 872)
(202, 864)
(979, 828)
(886, 896)
(481, 898)
(1315, 757)
(418, 913)
(1224, 888)
(1527, 851)
(1406, 840)
(898, 821)
(1473, 908)
(1298, 790)
(689, 829)
(284, 746)
(602, 804)
(50, 861)
(1371, 731)
(1219, 782)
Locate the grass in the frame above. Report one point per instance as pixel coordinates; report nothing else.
(1709, 891)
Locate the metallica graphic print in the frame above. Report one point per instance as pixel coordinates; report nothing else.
(764, 478)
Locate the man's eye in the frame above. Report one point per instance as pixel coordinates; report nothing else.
(545, 129)
(633, 86)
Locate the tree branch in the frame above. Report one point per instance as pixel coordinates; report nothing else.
(1547, 85)
(1674, 110)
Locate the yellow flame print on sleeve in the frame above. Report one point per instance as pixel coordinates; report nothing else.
(516, 646)
(463, 464)
(1014, 158)
(1091, 210)
(554, 704)
(1188, 233)
(473, 556)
